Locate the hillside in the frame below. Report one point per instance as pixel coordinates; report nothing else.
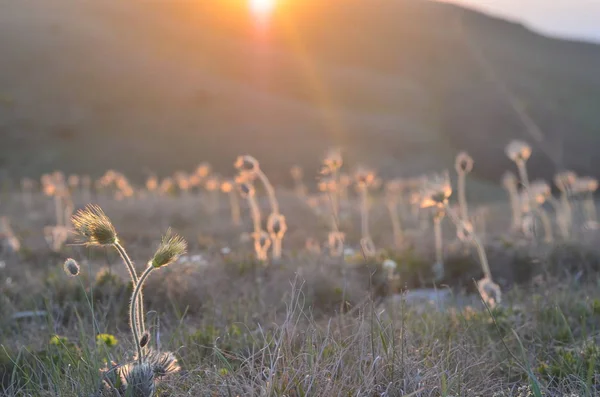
(159, 86)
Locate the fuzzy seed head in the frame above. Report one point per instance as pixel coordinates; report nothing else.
(276, 226)
(152, 183)
(585, 185)
(490, 291)
(203, 170)
(539, 191)
(94, 226)
(262, 241)
(565, 180)
(227, 186)
(140, 380)
(464, 163)
(246, 163)
(71, 267)
(162, 364)
(171, 248)
(518, 151)
(364, 178)
(436, 190)
(144, 339)
(332, 162)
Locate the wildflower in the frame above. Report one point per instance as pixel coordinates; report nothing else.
(436, 190)
(490, 292)
(464, 163)
(162, 364)
(332, 162)
(246, 163)
(276, 226)
(565, 180)
(92, 224)
(139, 379)
(71, 267)
(518, 151)
(107, 340)
(172, 246)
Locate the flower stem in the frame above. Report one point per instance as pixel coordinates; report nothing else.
(132, 310)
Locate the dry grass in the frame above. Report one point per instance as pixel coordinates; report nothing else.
(310, 326)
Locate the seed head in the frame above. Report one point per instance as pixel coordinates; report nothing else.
(162, 364)
(139, 379)
(203, 170)
(227, 186)
(171, 248)
(94, 226)
(144, 339)
(585, 184)
(436, 190)
(276, 226)
(262, 242)
(490, 291)
(246, 164)
(364, 178)
(71, 267)
(565, 180)
(212, 184)
(464, 163)
(518, 151)
(539, 191)
(333, 162)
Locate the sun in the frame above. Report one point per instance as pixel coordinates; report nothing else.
(262, 8)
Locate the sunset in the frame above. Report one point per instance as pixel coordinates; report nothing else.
(286, 198)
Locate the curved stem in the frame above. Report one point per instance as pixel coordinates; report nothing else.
(270, 191)
(139, 325)
(437, 231)
(132, 311)
(462, 196)
(255, 212)
(478, 245)
(277, 248)
(235, 207)
(547, 225)
(392, 207)
(364, 211)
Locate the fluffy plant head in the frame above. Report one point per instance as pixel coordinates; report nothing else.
(463, 163)
(332, 162)
(246, 163)
(436, 190)
(203, 170)
(518, 151)
(71, 267)
(94, 226)
(490, 291)
(585, 184)
(539, 192)
(171, 248)
(139, 379)
(212, 184)
(162, 364)
(389, 265)
(327, 184)
(227, 186)
(365, 178)
(564, 180)
(276, 225)
(144, 339)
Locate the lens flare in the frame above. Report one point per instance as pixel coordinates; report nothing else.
(262, 9)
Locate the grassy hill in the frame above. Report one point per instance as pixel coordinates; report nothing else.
(400, 85)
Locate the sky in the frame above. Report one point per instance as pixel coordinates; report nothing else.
(579, 19)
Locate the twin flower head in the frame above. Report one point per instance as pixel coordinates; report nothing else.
(96, 229)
